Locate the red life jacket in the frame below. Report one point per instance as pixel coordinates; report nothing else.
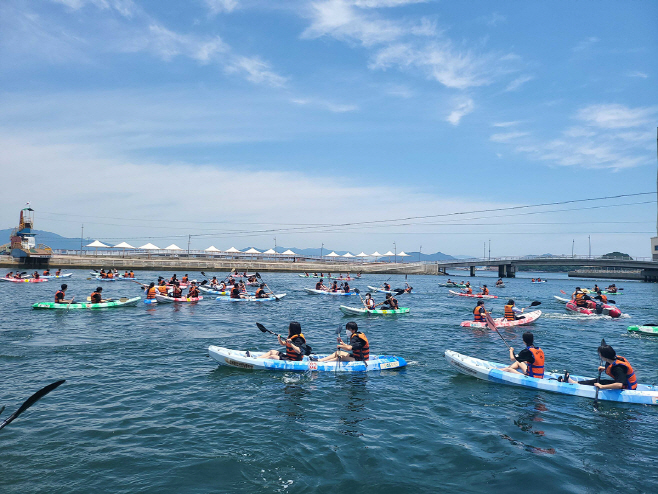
(478, 314)
(364, 352)
(631, 380)
(509, 313)
(536, 369)
(292, 354)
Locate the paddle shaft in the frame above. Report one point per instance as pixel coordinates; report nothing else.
(31, 401)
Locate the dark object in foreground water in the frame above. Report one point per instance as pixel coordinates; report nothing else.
(31, 401)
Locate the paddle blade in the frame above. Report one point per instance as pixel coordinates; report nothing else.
(31, 401)
(610, 301)
(356, 290)
(491, 324)
(535, 303)
(339, 329)
(204, 274)
(2, 410)
(563, 292)
(398, 291)
(203, 282)
(262, 328)
(602, 342)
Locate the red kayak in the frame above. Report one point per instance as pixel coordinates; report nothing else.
(591, 310)
(24, 280)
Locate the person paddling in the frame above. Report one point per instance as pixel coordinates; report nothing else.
(617, 367)
(260, 293)
(60, 294)
(530, 360)
(468, 290)
(235, 292)
(176, 291)
(35, 275)
(612, 288)
(193, 291)
(334, 287)
(485, 290)
(512, 312)
(185, 279)
(295, 344)
(320, 285)
(358, 345)
(601, 297)
(369, 302)
(346, 287)
(46, 272)
(407, 287)
(580, 298)
(58, 272)
(96, 297)
(10, 274)
(162, 287)
(391, 302)
(479, 313)
(387, 287)
(151, 291)
(500, 282)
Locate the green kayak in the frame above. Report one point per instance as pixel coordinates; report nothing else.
(87, 305)
(650, 330)
(361, 311)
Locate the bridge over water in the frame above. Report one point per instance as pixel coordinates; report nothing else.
(507, 266)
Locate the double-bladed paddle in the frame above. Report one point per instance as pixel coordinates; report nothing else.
(31, 401)
(265, 330)
(491, 324)
(598, 378)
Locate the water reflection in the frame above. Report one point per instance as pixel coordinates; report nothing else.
(528, 421)
(357, 396)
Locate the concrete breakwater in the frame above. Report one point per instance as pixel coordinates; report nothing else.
(209, 264)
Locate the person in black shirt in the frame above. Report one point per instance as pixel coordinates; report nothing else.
(60, 294)
(295, 345)
(529, 361)
(391, 303)
(615, 366)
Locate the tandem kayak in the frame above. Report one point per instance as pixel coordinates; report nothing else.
(491, 371)
(324, 292)
(236, 358)
(122, 302)
(592, 310)
(25, 280)
(472, 295)
(453, 285)
(381, 290)
(54, 276)
(528, 318)
(226, 292)
(650, 330)
(362, 311)
(253, 299)
(166, 299)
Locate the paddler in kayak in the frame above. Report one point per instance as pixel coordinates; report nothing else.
(96, 297)
(60, 294)
(512, 312)
(601, 297)
(617, 367)
(162, 287)
(386, 287)
(151, 291)
(390, 302)
(612, 288)
(485, 290)
(295, 344)
(346, 287)
(530, 360)
(359, 346)
(193, 291)
(479, 313)
(408, 287)
(35, 275)
(596, 288)
(261, 293)
(235, 292)
(185, 279)
(320, 285)
(334, 287)
(580, 298)
(468, 290)
(214, 282)
(58, 272)
(369, 302)
(176, 291)
(500, 282)
(46, 272)
(10, 274)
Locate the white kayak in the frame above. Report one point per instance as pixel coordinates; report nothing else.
(239, 359)
(226, 292)
(362, 311)
(56, 276)
(377, 289)
(324, 292)
(491, 371)
(277, 296)
(561, 299)
(472, 295)
(528, 318)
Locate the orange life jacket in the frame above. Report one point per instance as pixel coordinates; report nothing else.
(193, 292)
(478, 315)
(469, 290)
(177, 292)
(364, 352)
(580, 299)
(536, 369)
(631, 380)
(604, 299)
(58, 298)
(96, 297)
(184, 280)
(509, 313)
(150, 292)
(235, 292)
(370, 303)
(110, 275)
(162, 289)
(132, 275)
(485, 291)
(292, 354)
(46, 273)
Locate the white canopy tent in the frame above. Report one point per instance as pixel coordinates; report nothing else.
(289, 253)
(212, 248)
(124, 246)
(252, 251)
(232, 250)
(389, 254)
(149, 246)
(403, 254)
(270, 252)
(333, 254)
(96, 244)
(173, 247)
(348, 255)
(363, 254)
(375, 254)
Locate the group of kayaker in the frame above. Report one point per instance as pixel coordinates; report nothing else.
(344, 287)
(114, 273)
(390, 303)
(296, 346)
(531, 362)
(537, 280)
(512, 312)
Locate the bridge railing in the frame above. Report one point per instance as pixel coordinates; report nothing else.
(540, 258)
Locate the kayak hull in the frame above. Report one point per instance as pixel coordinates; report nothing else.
(238, 359)
(25, 280)
(607, 310)
(54, 276)
(362, 311)
(252, 299)
(472, 295)
(165, 299)
(491, 371)
(648, 330)
(453, 285)
(530, 317)
(322, 292)
(381, 290)
(103, 305)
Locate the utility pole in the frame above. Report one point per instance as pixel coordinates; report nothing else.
(419, 252)
(395, 255)
(490, 249)
(589, 240)
(82, 234)
(484, 251)
(189, 239)
(573, 243)
(274, 247)
(321, 251)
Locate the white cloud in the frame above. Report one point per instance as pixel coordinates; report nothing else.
(219, 6)
(493, 19)
(255, 70)
(586, 44)
(463, 108)
(616, 116)
(384, 3)
(637, 73)
(518, 82)
(507, 137)
(506, 124)
(127, 8)
(327, 105)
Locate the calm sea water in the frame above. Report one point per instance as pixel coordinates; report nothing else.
(145, 410)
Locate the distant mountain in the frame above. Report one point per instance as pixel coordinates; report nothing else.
(52, 240)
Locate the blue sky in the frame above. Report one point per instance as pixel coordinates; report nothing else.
(238, 120)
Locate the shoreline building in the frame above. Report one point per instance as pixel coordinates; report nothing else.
(22, 244)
